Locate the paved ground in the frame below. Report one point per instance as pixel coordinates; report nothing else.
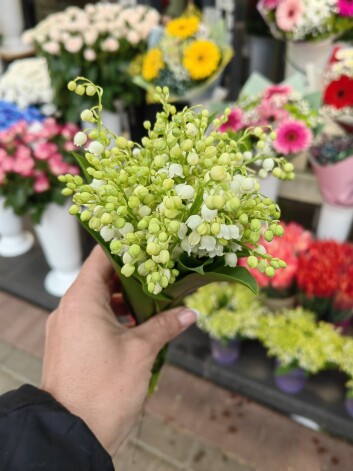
(189, 424)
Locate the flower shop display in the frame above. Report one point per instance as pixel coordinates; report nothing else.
(175, 212)
(283, 109)
(338, 89)
(280, 291)
(228, 313)
(99, 41)
(324, 280)
(32, 156)
(309, 27)
(332, 162)
(300, 345)
(188, 57)
(26, 82)
(11, 114)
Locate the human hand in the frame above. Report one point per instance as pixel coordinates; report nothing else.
(95, 367)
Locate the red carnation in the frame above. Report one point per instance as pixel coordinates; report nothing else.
(339, 93)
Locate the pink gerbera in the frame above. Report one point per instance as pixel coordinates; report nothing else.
(275, 90)
(292, 137)
(270, 114)
(235, 121)
(288, 14)
(345, 7)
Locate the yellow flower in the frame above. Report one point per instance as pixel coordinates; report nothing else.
(201, 59)
(152, 64)
(183, 27)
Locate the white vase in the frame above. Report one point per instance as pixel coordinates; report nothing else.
(59, 238)
(111, 119)
(269, 187)
(14, 240)
(11, 26)
(334, 222)
(308, 59)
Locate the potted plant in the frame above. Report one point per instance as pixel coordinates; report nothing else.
(227, 313)
(279, 292)
(99, 41)
(309, 32)
(332, 161)
(31, 159)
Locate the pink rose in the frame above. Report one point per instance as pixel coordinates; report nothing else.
(44, 150)
(24, 167)
(41, 183)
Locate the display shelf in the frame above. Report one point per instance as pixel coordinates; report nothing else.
(303, 189)
(321, 401)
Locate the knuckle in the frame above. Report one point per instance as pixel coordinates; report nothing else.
(167, 325)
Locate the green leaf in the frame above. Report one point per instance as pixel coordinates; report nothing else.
(84, 164)
(186, 264)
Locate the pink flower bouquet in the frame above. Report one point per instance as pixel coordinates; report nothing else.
(32, 156)
(295, 241)
(306, 20)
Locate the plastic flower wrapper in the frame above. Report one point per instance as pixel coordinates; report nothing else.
(99, 41)
(26, 82)
(306, 20)
(11, 114)
(295, 241)
(226, 311)
(320, 276)
(298, 341)
(32, 156)
(338, 88)
(332, 162)
(293, 116)
(174, 213)
(188, 56)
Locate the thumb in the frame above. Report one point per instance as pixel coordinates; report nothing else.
(163, 327)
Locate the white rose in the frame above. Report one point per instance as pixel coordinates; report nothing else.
(133, 37)
(74, 44)
(51, 47)
(110, 44)
(89, 54)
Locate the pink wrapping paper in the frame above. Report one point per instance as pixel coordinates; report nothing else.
(336, 182)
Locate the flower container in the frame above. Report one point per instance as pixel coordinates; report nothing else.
(277, 304)
(58, 234)
(12, 25)
(112, 120)
(348, 405)
(225, 354)
(334, 222)
(291, 382)
(308, 58)
(269, 187)
(14, 240)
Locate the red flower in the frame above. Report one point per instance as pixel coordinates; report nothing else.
(339, 93)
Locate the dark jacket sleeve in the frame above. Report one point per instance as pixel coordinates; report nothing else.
(37, 433)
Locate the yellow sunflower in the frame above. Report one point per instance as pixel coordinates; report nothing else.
(152, 64)
(201, 59)
(183, 27)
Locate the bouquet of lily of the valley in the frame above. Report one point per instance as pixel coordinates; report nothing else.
(279, 107)
(307, 20)
(188, 57)
(338, 91)
(99, 41)
(226, 311)
(26, 82)
(177, 211)
(295, 241)
(32, 156)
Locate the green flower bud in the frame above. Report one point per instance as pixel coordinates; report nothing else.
(116, 246)
(152, 248)
(210, 151)
(72, 86)
(274, 264)
(80, 90)
(95, 223)
(134, 250)
(106, 219)
(127, 270)
(66, 192)
(268, 235)
(203, 229)
(288, 167)
(255, 225)
(155, 277)
(85, 215)
(168, 183)
(150, 287)
(243, 219)
(282, 264)
(154, 228)
(121, 142)
(163, 237)
(149, 264)
(255, 237)
(133, 202)
(252, 261)
(74, 209)
(86, 115)
(174, 227)
(90, 90)
(164, 256)
(270, 271)
(277, 172)
(187, 145)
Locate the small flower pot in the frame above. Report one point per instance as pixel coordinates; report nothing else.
(334, 222)
(225, 354)
(14, 240)
(348, 405)
(277, 304)
(292, 382)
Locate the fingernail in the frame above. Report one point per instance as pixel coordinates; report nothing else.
(187, 317)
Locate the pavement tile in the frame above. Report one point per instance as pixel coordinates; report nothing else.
(5, 350)
(23, 367)
(134, 458)
(7, 383)
(206, 458)
(165, 438)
